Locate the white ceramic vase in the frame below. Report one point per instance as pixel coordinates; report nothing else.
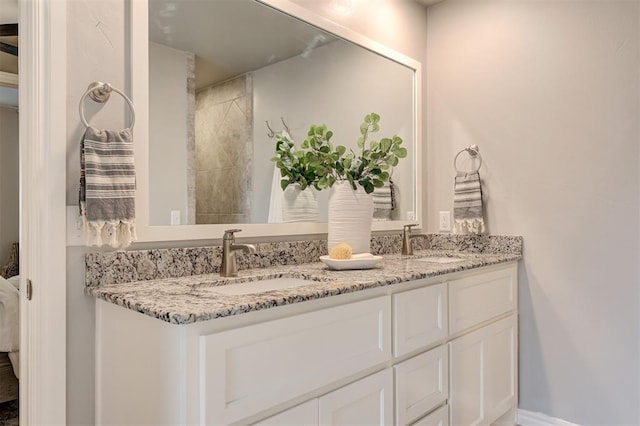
(350, 217)
(298, 205)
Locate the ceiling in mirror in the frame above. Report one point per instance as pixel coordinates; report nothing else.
(219, 71)
(230, 37)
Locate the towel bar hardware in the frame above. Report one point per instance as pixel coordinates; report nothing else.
(100, 92)
(272, 133)
(474, 152)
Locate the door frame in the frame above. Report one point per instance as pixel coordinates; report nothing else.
(42, 100)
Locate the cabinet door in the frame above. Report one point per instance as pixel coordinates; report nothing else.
(420, 318)
(422, 383)
(483, 373)
(501, 364)
(466, 379)
(305, 414)
(366, 402)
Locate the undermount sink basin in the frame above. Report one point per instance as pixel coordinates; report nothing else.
(440, 259)
(254, 285)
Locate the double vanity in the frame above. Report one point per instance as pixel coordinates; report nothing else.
(427, 339)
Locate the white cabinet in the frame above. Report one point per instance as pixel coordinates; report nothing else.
(301, 415)
(421, 384)
(481, 297)
(429, 353)
(483, 373)
(420, 318)
(502, 367)
(440, 417)
(250, 369)
(366, 402)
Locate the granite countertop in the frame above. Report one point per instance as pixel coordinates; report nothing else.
(193, 298)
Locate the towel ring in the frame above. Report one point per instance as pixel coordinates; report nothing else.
(474, 152)
(100, 92)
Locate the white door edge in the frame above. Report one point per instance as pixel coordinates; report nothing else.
(42, 100)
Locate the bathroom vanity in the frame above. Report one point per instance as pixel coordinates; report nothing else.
(419, 340)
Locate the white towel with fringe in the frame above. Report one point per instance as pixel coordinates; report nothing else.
(276, 199)
(107, 187)
(467, 204)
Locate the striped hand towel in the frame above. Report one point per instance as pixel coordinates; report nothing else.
(107, 187)
(467, 204)
(384, 201)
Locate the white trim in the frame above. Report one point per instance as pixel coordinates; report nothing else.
(529, 418)
(140, 97)
(42, 99)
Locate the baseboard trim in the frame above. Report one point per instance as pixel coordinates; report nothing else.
(529, 418)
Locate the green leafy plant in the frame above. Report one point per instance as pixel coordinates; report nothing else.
(296, 166)
(368, 168)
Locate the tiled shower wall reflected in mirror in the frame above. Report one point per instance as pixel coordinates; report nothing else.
(223, 152)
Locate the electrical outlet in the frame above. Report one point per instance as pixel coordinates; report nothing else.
(175, 217)
(444, 221)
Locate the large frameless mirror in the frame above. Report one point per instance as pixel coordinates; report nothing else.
(224, 77)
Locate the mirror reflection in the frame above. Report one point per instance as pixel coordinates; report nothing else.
(226, 76)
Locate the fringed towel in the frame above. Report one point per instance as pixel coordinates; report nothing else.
(384, 201)
(277, 194)
(467, 204)
(107, 187)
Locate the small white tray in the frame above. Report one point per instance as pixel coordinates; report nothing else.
(357, 261)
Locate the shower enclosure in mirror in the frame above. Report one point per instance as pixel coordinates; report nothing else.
(224, 76)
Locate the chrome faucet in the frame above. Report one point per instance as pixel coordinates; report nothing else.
(229, 267)
(407, 236)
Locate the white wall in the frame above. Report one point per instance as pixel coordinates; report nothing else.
(168, 72)
(97, 50)
(9, 181)
(331, 86)
(549, 91)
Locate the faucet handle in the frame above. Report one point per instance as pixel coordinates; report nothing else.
(228, 234)
(407, 228)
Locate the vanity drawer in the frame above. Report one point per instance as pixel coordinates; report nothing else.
(440, 417)
(481, 297)
(421, 383)
(250, 369)
(420, 318)
(305, 414)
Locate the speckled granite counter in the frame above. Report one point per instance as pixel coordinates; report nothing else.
(188, 299)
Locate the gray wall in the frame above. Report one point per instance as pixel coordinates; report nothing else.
(549, 91)
(97, 43)
(169, 71)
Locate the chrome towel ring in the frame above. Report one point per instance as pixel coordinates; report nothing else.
(100, 92)
(474, 152)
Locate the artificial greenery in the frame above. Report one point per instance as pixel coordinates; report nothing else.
(369, 168)
(319, 164)
(296, 166)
